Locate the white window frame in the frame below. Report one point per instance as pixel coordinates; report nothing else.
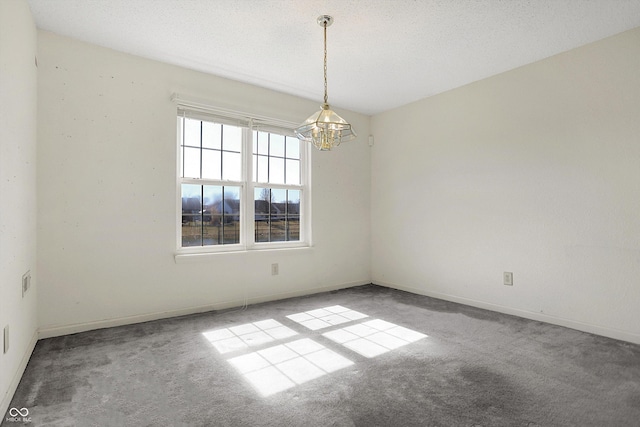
(249, 122)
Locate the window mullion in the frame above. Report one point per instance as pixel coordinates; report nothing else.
(202, 215)
(286, 216)
(222, 215)
(248, 213)
(268, 157)
(201, 153)
(304, 210)
(197, 181)
(221, 152)
(183, 146)
(269, 208)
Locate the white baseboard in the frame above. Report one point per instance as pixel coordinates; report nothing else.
(17, 376)
(54, 331)
(554, 320)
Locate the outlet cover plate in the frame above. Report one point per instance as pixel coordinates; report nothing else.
(6, 339)
(26, 282)
(508, 278)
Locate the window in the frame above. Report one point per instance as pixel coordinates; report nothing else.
(276, 166)
(241, 186)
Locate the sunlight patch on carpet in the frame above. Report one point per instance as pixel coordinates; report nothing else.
(373, 338)
(326, 317)
(272, 368)
(281, 367)
(248, 335)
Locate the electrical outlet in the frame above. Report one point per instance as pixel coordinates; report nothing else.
(508, 278)
(6, 339)
(26, 282)
(274, 269)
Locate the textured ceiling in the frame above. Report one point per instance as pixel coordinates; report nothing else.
(382, 53)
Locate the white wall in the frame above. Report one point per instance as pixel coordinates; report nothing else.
(107, 194)
(18, 100)
(534, 171)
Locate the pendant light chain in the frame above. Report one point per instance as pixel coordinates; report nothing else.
(326, 97)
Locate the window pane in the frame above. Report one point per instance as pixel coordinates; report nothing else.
(293, 171)
(270, 166)
(262, 174)
(231, 229)
(277, 214)
(191, 162)
(254, 141)
(279, 196)
(211, 135)
(231, 138)
(220, 215)
(262, 202)
(276, 170)
(230, 215)
(191, 216)
(211, 167)
(263, 143)
(192, 132)
(293, 227)
(293, 148)
(211, 214)
(293, 215)
(276, 145)
(212, 196)
(232, 196)
(293, 201)
(232, 166)
(261, 230)
(262, 194)
(255, 168)
(278, 229)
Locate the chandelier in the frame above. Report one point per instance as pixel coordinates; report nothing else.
(325, 129)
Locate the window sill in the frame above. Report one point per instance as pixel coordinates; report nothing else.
(195, 257)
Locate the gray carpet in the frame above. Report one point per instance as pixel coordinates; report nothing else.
(470, 368)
